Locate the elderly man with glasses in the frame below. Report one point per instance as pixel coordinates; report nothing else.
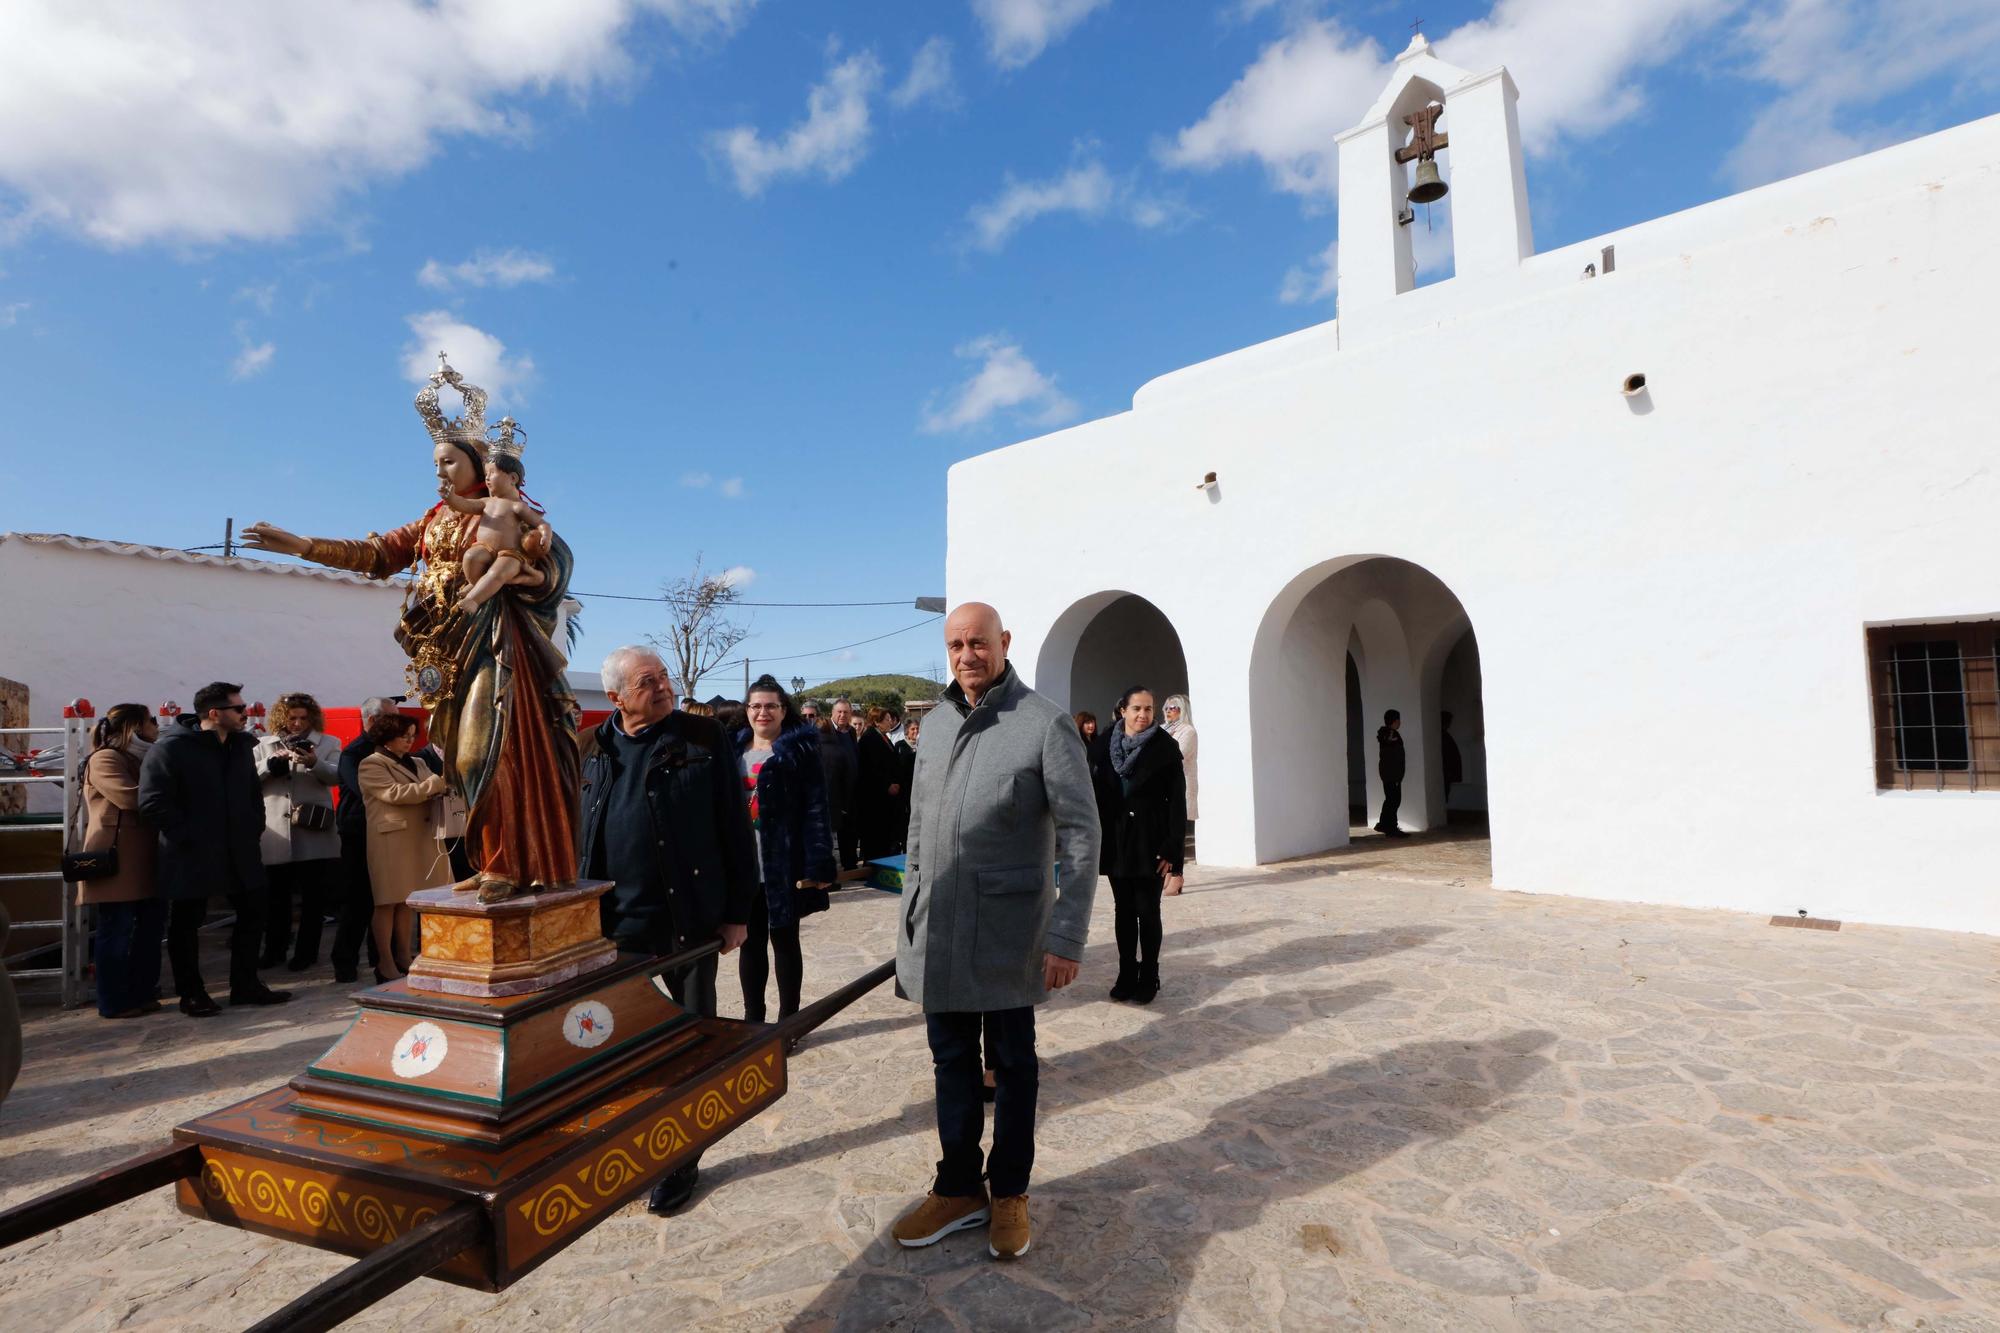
(664, 819)
(199, 787)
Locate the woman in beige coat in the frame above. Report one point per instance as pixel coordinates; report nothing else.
(404, 851)
(131, 918)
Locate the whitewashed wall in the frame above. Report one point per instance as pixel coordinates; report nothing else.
(1669, 594)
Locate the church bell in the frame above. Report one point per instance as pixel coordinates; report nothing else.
(1429, 187)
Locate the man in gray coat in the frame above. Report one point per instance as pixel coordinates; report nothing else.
(1001, 797)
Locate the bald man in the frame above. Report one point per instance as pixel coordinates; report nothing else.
(1000, 798)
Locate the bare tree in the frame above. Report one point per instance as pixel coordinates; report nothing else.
(699, 633)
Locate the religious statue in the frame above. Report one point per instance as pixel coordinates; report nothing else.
(478, 623)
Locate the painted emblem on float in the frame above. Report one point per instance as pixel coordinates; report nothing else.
(587, 1024)
(418, 1051)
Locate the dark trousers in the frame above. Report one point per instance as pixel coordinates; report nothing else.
(127, 954)
(184, 943)
(315, 885)
(1136, 918)
(753, 965)
(357, 904)
(961, 1109)
(693, 988)
(848, 836)
(1392, 800)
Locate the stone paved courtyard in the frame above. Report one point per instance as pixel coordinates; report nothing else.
(1372, 1094)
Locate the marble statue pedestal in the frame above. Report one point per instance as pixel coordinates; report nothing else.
(516, 946)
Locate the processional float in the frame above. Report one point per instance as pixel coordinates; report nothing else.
(525, 1080)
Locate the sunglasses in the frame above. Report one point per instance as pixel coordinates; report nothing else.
(233, 708)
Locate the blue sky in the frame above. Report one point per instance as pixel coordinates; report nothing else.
(754, 273)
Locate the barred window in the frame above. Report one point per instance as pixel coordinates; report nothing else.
(1936, 690)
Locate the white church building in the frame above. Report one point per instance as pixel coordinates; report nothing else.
(1694, 528)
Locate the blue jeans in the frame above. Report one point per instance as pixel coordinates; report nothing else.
(127, 954)
(961, 1110)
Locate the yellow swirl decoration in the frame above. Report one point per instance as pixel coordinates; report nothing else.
(555, 1208)
(665, 1139)
(711, 1110)
(613, 1172)
(215, 1183)
(372, 1220)
(750, 1084)
(266, 1197)
(316, 1207)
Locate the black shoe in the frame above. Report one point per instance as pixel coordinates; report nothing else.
(262, 995)
(270, 960)
(1148, 984)
(346, 976)
(673, 1192)
(1127, 982)
(199, 1006)
(301, 964)
(1396, 833)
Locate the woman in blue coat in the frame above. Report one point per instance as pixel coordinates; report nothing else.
(786, 789)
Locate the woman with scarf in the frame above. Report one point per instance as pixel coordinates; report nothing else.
(786, 789)
(131, 916)
(1142, 805)
(1179, 717)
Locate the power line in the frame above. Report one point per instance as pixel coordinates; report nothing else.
(794, 657)
(630, 597)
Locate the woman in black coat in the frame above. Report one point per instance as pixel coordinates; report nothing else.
(1142, 805)
(778, 755)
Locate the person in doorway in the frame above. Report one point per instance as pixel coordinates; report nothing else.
(1389, 738)
(357, 897)
(1141, 790)
(299, 766)
(1002, 795)
(840, 762)
(131, 917)
(882, 817)
(779, 758)
(404, 851)
(664, 819)
(1452, 762)
(1086, 727)
(198, 786)
(1178, 714)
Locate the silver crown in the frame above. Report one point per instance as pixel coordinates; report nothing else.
(468, 429)
(509, 442)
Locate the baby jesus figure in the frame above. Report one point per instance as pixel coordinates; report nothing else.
(512, 533)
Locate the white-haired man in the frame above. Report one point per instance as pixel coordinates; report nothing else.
(665, 820)
(357, 898)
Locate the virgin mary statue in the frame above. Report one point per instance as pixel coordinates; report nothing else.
(491, 674)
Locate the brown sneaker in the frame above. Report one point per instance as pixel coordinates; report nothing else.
(1007, 1238)
(938, 1216)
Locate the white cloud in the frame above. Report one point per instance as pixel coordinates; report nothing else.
(487, 268)
(738, 576)
(846, 655)
(1006, 380)
(262, 296)
(190, 121)
(476, 354)
(1019, 30)
(10, 313)
(829, 142)
(929, 79)
(730, 488)
(1314, 280)
(696, 480)
(252, 360)
(1086, 189)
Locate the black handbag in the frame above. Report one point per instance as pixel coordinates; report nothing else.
(317, 818)
(83, 867)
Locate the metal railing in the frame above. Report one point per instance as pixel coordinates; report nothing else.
(72, 925)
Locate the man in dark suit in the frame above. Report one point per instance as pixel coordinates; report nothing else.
(884, 815)
(664, 818)
(1391, 766)
(840, 760)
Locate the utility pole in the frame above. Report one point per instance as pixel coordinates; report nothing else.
(228, 538)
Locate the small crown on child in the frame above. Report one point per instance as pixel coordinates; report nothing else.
(506, 445)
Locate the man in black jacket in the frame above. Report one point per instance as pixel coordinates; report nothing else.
(840, 760)
(665, 819)
(1390, 766)
(199, 788)
(357, 897)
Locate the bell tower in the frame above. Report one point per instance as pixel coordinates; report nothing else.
(1430, 105)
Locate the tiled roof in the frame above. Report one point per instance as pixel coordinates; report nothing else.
(139, 549)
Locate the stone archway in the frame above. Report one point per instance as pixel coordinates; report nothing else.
(1402, 634)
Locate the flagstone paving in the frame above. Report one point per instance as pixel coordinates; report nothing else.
(1360, 1102)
